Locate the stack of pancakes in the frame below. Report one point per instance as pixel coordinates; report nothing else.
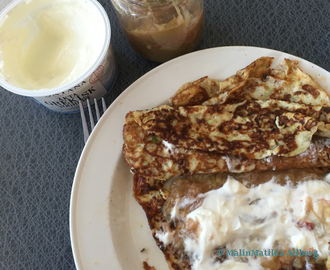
(260, 121)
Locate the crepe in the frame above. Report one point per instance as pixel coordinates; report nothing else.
(199, 91)
(256, 82)
(243, 124)
(252, 129)
(149, 156)
(158, 199)
(261, 126)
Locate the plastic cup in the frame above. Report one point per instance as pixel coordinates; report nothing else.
(95, 82)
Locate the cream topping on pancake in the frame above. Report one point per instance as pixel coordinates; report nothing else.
(264, 217)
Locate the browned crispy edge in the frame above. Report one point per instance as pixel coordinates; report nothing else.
(142, 188)
(146, 266)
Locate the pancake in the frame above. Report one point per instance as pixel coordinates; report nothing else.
(253, 129)
(199, 91)
(230, 162)
(159, 198)
(149, 156)
(257, 82)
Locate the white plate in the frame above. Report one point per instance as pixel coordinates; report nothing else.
(108, 228)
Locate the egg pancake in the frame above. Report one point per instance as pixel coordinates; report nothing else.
(239, 163)
(159, 199)
(256, 82)
(252, 129)
(199, 91)
(149, 156)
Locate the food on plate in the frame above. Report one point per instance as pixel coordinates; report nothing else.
(256, 81)
(149, 156)
(146, 266)
(254, 211)
(234, 173)
(195, 93)
(252, 129)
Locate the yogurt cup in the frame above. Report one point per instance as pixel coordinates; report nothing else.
(56, 51)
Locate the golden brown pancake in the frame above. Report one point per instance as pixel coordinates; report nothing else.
(157, 199)
(256, 82)
(199, 91)
(253, 129)
(260, 124)
(148, 156)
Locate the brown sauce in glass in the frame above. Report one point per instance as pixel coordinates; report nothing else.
(158, 41)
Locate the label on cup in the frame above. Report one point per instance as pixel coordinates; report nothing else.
(95, 86)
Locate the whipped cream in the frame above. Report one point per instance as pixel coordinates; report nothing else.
(264, 217)
(45, 44)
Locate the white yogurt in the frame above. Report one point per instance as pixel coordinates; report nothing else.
(57, 51)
